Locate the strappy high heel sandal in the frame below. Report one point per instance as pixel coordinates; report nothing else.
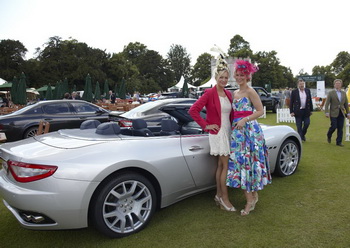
(217, 200)
(252, 206)
(224, 207)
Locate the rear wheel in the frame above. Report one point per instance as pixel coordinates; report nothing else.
(30, 132)
(123, 205)
(288, 158)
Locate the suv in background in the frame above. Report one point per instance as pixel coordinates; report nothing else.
(269, 101)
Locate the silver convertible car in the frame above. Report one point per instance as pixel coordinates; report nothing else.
(115, 178)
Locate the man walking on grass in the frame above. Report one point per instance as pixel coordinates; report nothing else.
(301, 108)
(337, 109)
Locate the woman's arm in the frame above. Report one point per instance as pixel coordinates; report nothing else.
(197, 107)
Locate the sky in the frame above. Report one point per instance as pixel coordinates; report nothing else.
(304, 33)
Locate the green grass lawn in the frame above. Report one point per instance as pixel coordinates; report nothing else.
(308, 209)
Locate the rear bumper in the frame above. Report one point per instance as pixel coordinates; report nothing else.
(48, 205)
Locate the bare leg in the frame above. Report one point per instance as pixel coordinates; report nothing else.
(223, 161)
(250, 203)
(217, 177)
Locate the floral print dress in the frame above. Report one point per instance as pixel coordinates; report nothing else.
(249, 164)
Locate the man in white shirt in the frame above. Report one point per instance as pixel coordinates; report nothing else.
(301, 108)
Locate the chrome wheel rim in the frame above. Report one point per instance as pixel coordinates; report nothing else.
(32, 133)
(127, 207)
(289, 158)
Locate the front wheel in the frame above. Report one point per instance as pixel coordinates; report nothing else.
(123, 205)
(288, 158)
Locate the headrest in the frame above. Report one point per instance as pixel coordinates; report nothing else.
(88, 124)
(169, 125)
(108, 128)
(139, 123)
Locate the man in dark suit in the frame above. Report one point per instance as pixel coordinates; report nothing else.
(337, 109)
(301, 108)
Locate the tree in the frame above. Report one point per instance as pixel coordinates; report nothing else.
(340, 62)
(202, 69)
(327, 72)
(72, 60)
(239, 48)
(270, 71)
(12, 54)
(345, 75)
(180, 62)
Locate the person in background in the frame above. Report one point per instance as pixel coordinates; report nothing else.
(74, 95)
(217, 101)
(248, 167)
(287, 93)
(301, 108)
(281, 97)
(78, 97)
(336, 108)
(112, 97)
(135, 101)
(66, 96)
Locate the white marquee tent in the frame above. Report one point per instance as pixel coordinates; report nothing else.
(208, 84)
(2, 81)
(180, 84)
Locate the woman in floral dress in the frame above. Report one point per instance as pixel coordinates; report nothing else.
(248, 166)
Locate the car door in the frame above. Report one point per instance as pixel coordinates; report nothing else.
(59, 115)
(86, 111)
(195, 148)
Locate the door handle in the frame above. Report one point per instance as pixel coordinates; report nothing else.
(196, 148)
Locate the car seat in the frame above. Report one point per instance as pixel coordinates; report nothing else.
(139, 128)
(108, 128)
(169, 127)
(88, 124)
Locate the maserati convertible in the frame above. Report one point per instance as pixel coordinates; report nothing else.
(114, 178)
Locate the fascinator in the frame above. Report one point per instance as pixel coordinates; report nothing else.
(221, 64)
(245, 66)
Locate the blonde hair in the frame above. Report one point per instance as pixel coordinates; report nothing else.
(218, 73)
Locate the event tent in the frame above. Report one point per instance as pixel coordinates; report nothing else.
(208, 84)
(2, 81)
(180, 84)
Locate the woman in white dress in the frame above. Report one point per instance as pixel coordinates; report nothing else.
(218, 104)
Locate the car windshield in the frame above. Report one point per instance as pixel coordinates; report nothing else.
(138, 111)
(22, 110)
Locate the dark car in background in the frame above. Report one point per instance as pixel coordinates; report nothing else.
(61, 114)
(269, 101)
(149, 111)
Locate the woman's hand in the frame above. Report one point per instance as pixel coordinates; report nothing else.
(241, 123)
(213, 127)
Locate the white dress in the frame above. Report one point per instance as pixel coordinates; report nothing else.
(220, 142)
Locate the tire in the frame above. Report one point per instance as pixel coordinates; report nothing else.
(274, 110)
(288, 158)
(30, 132)
(123, 205)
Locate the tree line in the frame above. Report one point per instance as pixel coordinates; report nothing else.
(142, 69)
